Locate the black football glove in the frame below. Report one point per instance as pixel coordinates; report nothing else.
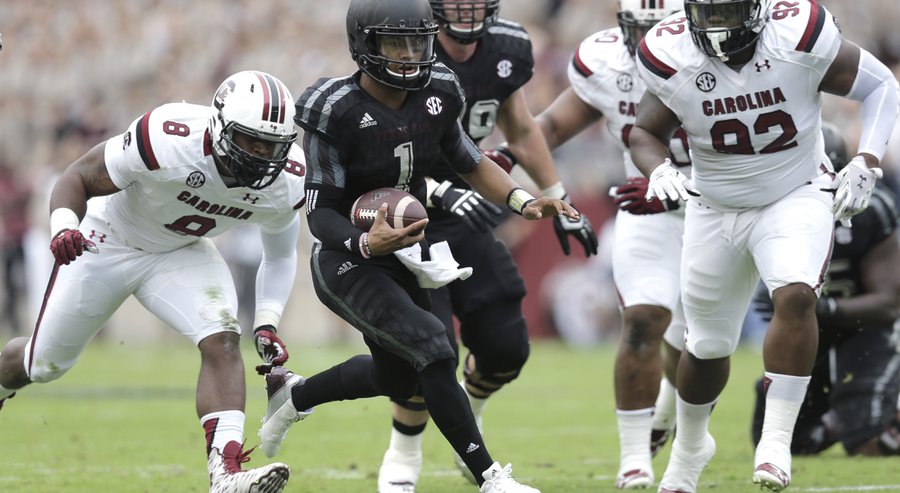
(580, 228)
(269, 348)
(631, 197)
(469, 205)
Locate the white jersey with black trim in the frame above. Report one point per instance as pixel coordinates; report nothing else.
(754, 131)
(605, 76)
(171, 192)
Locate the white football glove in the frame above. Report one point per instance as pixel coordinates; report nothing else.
(854, 189)
(666, 182)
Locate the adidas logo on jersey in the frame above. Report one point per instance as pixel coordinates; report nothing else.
(472, 447)
(345, 268)
(367, 121)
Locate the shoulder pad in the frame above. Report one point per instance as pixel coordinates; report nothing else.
(445, 80)
(512, 40)
(321, 105)
(599, 51)
(172, 134)
(804, 26)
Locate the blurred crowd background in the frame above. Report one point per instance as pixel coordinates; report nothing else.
(75, 73)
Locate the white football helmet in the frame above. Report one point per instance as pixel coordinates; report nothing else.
(636, 17)
(259, 106)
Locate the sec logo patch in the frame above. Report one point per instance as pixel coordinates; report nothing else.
(434, 106)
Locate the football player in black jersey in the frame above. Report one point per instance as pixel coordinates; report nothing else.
(852, 396)
(388, 125)
(493, 59)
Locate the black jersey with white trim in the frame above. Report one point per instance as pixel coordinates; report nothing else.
(503, 62)
(355, 144)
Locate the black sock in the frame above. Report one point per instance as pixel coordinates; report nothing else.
(349, 380)
(452, 414)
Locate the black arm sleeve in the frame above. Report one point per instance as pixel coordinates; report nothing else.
(335, 231)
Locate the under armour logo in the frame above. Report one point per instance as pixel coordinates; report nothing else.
(97, 237)
(764, 64)
(252, 200)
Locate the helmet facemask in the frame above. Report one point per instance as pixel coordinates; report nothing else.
(246, 167)
(725, 28)
(400, 57)
(466, 21)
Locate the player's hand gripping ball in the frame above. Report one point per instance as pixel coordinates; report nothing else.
(403, 208)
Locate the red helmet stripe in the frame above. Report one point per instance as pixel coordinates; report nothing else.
(267, 98)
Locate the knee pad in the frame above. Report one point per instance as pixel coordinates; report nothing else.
(497, 338)
(711, 339)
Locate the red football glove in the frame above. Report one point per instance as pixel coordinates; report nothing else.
(69, 244)
(502, 156)
(631, 197)
(269, 348)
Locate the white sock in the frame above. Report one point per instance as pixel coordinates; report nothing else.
(784, 397)
(228, 428)
(406, 444)
(477, 404)
(634, 436)
(693, 423)
(664, 414)
(4, 392)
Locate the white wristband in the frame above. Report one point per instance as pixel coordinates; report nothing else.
(63, 218)
(518, 199)
(266, 317)
(556, 191)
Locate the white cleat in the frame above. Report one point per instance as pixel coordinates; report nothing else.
(226, 476)
(500, 480)
(399, 472)
(280, 413)
(635, 478)
(771, 477)
(773, 464)
(683, 471)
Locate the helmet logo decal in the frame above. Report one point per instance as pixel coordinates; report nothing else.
(273, 98)
(196, 179)
(706, 82)
(504, 68)
(624, 82)
(223, 93)
(434, 106)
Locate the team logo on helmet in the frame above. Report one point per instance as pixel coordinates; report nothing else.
(624, 82)
(706, 82)
(195, 180)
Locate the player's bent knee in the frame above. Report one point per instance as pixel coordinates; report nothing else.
(711, 348)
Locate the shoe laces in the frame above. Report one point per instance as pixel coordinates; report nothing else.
(504, 476)
(233, 462)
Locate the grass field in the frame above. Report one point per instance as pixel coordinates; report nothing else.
(123, 421)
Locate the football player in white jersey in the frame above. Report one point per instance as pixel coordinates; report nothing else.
(178, 175)
(605, 82)
(744, 78)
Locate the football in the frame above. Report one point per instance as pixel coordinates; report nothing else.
(403, 208)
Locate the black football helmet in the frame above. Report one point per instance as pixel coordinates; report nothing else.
(835, 147)
(466, 20)
(723, 28)
(393, 41)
